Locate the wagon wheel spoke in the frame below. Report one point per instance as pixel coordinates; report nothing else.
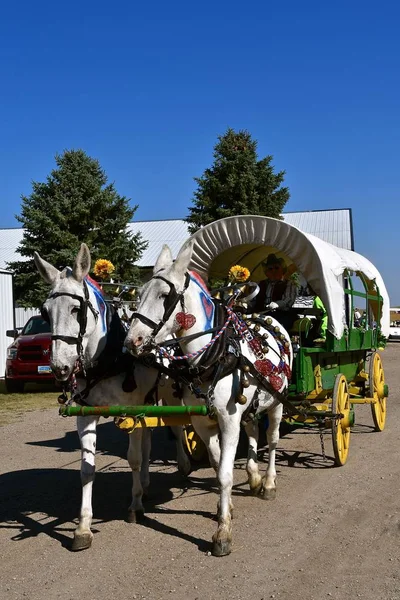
(341, 426)
(377, 391)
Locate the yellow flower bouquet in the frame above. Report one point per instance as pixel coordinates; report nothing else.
(238, 274)
(103, 268)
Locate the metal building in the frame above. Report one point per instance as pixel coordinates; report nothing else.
(7, 318)
(333, 226)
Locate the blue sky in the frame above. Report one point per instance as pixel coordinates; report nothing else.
(146, 89)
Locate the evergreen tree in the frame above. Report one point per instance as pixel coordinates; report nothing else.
(237, 183)
(74, 205)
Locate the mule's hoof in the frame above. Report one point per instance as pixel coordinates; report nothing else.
(82, 541)
(268, 494)
(221, 548)
(256, 490)
(135, 516)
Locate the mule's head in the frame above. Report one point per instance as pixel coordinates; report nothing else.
(66, 308)
(160, 300)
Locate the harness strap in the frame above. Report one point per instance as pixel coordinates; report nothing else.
(170, 303)
(188, 338)
(144, 319)
(65, 338)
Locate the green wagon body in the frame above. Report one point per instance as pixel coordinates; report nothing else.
(347, 356)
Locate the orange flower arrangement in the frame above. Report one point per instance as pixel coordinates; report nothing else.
(103, 268)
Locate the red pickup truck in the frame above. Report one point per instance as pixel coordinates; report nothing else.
(28, 357)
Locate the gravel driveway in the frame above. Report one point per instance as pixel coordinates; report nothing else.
(331, 533)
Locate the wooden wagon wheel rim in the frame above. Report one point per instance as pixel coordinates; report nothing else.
(377, 391)
(341, 426)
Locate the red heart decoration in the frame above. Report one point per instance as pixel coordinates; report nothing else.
(287, 371)
(255, 345)
(185, 320)
(265, 367)
(207, 305)
(276, 382)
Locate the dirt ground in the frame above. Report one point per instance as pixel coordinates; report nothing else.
(331, 533)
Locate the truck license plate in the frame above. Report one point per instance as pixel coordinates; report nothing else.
(45, 369)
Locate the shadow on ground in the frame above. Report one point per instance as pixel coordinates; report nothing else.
(35, 501)
(46, 501)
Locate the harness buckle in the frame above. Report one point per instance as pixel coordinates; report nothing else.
(194, 370)
(148, 359)
(62, 398)
(233, 349)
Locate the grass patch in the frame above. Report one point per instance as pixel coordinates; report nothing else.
(36, 397)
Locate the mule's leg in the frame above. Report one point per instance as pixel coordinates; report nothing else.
(135, 511)
(253, 474)
(268, 491)
(87, 435)
(184, 465)
(230, 430)
(146, 451)
(210, 436)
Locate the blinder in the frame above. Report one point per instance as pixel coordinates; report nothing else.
(170, 303)
(82, 316)
(44, 314)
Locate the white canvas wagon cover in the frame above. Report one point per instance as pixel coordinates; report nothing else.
(247, 240)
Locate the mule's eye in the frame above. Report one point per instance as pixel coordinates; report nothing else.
(75, 310)
(163, 296)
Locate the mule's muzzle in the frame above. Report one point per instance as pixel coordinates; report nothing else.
(61, 373)
(139, 345)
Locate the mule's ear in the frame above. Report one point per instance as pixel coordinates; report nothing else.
(82, 263)
(46, 270)
(164, 259)
(183, 259)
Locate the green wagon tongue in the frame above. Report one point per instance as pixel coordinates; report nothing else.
(133, 411)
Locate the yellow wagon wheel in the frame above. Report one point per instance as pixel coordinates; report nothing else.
(195, 446)
(378, 391)
(341, 426)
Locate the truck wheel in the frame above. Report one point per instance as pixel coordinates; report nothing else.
(14, 386)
